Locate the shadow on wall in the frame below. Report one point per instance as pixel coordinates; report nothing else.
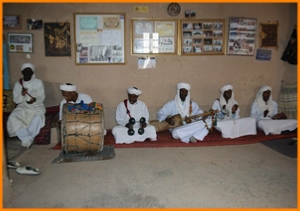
(53, 94)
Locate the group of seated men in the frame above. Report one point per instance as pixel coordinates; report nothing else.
(132, 115)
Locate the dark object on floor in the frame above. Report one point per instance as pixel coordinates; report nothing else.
(287, 146)
(108, 152)
(13, 164)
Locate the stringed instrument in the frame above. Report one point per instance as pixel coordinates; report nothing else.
(164, 125)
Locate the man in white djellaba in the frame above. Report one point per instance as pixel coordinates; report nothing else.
(28, 117)
(228, 120)
(265, 111)
(190, 130)
(139, 130)
(71, 96)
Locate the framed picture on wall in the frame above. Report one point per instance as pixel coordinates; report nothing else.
(99, 38)
(202, 37)
(20, 43)
(268, 33)
(11, 22)
(154, 36)
(241, 37)
(57, 38)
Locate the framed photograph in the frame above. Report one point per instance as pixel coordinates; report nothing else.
(57, 38)
(20, 43)
(11, 22)
(268, 35)
(263, 54)
(190, 14)
(99, 38)
(202, 37)
(241, 37)
(154, 36)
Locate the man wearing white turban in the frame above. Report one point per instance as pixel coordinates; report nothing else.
(185, 106)
(265, 110)
(70, 94)
(28, 117)
(133, 108)
(228, 120)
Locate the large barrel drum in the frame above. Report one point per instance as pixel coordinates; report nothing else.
(82, 131)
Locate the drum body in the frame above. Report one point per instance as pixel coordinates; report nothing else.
(82, 131)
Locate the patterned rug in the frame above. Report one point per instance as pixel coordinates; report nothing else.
(214, 138)
(106, 153)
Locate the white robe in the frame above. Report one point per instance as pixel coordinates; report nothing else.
(267, 124)
(24, 113)
(137, 110)
(86, 99)
(196, 129)
(233, 126)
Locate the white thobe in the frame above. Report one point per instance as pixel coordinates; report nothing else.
(137, 111)
(26, 120)
(267, 124)
(196, 129)
(233, 126)
(84, 97)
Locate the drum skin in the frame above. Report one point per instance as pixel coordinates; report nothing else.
(83, 131)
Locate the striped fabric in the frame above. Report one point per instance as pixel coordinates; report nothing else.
(287, 101)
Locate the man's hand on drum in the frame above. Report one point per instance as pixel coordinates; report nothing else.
(170, 121)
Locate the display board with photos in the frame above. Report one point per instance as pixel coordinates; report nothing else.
(99, 38)
(20, 43)
(241, 37)
(154, 36)
(202, 37)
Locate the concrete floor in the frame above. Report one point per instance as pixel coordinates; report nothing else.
(244, 176)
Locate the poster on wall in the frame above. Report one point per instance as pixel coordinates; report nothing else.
(154, 36)
(57, 39)
(99, 38)
(241, 37)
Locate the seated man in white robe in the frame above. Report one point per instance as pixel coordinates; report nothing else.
(265, 111)
(228, 120)
(71, 96)
(133, 108)
(190, 130)
(28, 117)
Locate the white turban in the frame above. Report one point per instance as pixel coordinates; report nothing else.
(183, 109)
(226, 87)
(68, 88)
(184, 86)
(132, 90)
(27, 65)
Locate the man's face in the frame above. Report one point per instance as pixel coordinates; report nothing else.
(183, 93)
(227, 94)
(266, 95)
(132, 98)
(27, 74)
(69, 96)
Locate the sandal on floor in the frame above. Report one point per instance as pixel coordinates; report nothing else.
(28, 170)
(13, 164)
